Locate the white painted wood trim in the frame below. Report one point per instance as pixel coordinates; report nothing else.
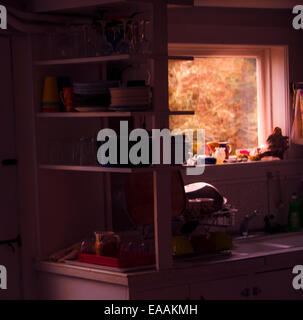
(273, 79)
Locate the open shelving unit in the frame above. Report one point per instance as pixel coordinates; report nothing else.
(59, 190)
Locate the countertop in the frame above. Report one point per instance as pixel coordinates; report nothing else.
(260, 253)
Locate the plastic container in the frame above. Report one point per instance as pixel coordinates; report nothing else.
(294, 218)
(135, 260)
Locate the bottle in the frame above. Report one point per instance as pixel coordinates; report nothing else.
(294, 219)
(220, 155)
(301, 201)
(98, 243)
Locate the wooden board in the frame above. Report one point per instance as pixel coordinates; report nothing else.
(140, 201)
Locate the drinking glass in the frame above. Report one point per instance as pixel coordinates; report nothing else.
(143, 40)
(106, 48)
(92, 40)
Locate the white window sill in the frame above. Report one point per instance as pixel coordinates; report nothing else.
(249, 171)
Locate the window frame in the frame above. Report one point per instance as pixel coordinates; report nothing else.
(272, 73)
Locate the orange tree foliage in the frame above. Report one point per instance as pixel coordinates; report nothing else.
(223, 94)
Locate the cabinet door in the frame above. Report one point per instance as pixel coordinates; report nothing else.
(275, 285)
(9, 221)
(223, 289)
(168, 293)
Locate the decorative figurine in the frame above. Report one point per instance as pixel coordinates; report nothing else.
(277, 144)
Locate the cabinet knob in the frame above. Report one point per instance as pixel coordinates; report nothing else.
(256, 291)
(245, 292)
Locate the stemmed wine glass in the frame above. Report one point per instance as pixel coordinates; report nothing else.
(144, 42)
(106, 47)
(123, 47)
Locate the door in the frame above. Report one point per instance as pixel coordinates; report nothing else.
(9, 225)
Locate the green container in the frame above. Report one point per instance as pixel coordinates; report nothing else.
(294, 215)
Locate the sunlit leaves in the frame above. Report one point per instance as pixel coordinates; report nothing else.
(223, 92)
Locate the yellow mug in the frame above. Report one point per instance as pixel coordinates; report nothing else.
(50, 98)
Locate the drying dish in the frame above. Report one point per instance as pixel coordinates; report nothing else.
(135, 98)
(94, 94)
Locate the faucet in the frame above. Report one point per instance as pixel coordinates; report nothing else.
(245, 222)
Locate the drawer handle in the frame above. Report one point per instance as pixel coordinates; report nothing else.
(245, 292)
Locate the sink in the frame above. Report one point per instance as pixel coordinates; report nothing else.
(260, 243)
(295, 240)
(249, 236)
(255, 247)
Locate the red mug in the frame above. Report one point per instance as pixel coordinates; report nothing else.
(68, 99)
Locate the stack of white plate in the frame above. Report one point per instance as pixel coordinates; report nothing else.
(130, 98)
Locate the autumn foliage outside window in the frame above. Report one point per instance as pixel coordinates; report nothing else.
(223, 94)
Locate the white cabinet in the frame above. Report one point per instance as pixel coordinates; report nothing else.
(223, 289)
(169, 293)
(275, 285)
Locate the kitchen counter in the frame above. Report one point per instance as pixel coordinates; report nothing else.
(249, 256)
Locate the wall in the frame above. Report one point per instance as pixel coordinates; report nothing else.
(246, 187)
(240, 26)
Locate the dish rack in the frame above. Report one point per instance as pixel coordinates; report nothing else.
(225, 217)
(222, 218)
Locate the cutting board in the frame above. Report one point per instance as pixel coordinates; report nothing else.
(140, 198)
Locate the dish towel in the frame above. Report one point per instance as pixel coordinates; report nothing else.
(297, 127)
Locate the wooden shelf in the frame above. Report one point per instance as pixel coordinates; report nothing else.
(56, 62)
(106, 114)
(114, 57)
(93, 168)
(87, 7)
(100, 169)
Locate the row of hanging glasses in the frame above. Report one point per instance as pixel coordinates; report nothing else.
(100, 38)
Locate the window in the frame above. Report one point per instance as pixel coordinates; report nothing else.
(238, 93)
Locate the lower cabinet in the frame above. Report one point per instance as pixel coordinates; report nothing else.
(270, 285)
(166, 293)
(223, 289)
(275, 285)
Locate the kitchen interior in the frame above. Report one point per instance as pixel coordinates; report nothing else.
(82, 229)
